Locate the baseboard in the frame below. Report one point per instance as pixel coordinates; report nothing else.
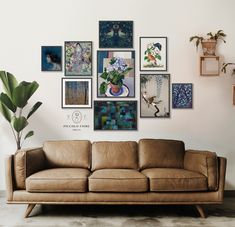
(227, 193)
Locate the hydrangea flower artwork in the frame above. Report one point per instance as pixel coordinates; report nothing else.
(115, 73)
(182, 95)
(78, 58)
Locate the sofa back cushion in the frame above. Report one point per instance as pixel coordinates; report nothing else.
(114, 155)
(159, 153)
(67, 153)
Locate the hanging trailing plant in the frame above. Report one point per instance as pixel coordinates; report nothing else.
(12, 103)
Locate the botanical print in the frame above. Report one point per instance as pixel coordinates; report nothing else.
(116, 75)
(115, 115)
(182, 95)
(155, 100)
(153, 53)
(116, 34)
(76, 93)
(51, 58)
(78, 58)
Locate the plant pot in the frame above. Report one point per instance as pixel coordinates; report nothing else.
(115, 88)
(209, 46)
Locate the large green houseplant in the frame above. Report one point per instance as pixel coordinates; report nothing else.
(12, 103)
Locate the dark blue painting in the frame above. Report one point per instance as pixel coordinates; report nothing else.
(115, 115)
(182, 95)
(116, 34)
(51, 58)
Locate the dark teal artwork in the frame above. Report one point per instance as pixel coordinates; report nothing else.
(51, 58)
(116, 34)
(182, 95)
(115, 115)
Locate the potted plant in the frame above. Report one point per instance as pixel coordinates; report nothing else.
(209, 43)
(12, 103)
(224, 67)
(114, 75)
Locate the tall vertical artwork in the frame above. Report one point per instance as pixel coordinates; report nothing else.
(78, 58)
(155, 95)
(153, 53)
(76, 93)
(182, 95)
(116, 34)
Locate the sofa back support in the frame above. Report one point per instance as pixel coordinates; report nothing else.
(159, 153)
(67, 153)
(114, 155)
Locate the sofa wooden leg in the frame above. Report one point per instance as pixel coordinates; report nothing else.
(29, 209)
(201, 211)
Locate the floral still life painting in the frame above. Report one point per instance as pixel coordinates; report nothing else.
(76, 93)
(115, 115)
(182, 95)
(116, 34)
(153, 53)
(78, 58)
(51, 58)
(115, 74)
(154, 95)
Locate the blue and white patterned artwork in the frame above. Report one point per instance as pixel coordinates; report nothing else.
(182, 95)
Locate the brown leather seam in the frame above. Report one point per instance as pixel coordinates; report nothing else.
(193, 178)
(52, 190)
(118, 178)
(43, 179)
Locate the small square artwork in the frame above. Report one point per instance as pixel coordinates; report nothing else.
(153, 53)
(155, 95)
(51, 58)
(116, 74)
(78, 58)
(116, 34)
(182, 95)
(76, 93)
(115, 115)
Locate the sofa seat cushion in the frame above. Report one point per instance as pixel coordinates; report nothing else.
(117, 180)
(170, 179)
(58, 180)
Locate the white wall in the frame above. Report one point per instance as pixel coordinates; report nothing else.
(26, 25)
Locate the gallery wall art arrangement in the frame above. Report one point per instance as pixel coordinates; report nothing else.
(116, 77)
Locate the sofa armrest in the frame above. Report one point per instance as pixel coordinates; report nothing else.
(9, 177)
(27, 162)
(204, 162)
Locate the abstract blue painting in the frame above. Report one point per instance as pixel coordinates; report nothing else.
(182, 95)
(51, 58)
(116, 34)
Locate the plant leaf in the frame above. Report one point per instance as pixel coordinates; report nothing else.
(31, 88)
(5, 112)
(19, 123)
(103, 88)
(29, 134)
(9, 82)
(20, 96)
(7, 102)
(34, 108)
(104, 75)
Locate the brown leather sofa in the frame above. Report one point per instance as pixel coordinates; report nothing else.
(153, 171)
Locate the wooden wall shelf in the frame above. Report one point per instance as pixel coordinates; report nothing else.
(209, 66)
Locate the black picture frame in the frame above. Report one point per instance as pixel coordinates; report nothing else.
(156, 48)
(116, 101)
(86, 62)
(150, 98)
(73, 90)
(101, 54)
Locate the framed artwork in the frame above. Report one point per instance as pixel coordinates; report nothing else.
(182, 95)
(155, 95)
(78, 58)
(153, 53)
(51, 58)
(116, 34)
(115, 74)
(76, 93)
(115, 115)
(233, 87)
